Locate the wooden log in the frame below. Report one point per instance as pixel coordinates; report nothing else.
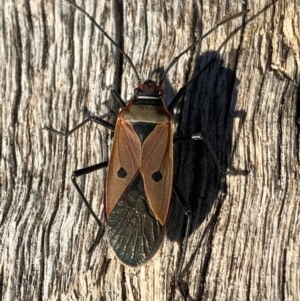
(57, 69)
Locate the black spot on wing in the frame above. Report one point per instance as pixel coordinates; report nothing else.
(133, 231)
(122, 173)
(157, 176)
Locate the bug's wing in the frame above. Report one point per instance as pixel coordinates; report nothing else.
(132, 229)
(157, 170)
(124, 163)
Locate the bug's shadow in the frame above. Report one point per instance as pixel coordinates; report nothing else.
(208, 108)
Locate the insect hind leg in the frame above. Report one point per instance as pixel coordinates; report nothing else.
(81, 172)
(187, 211)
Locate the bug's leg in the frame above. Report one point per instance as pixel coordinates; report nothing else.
(200, 137)
(91, 118)
(183, 89)
(81, 172)
(187, 212)
(116, 96)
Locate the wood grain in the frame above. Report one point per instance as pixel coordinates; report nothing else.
(57, 69)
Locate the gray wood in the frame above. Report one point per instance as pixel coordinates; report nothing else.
(56, 69)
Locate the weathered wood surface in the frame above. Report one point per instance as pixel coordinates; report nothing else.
(57, 69)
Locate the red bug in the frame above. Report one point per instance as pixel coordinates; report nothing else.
(143, 175)
(139, 182)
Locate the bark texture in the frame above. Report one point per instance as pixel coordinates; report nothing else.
(57, 69)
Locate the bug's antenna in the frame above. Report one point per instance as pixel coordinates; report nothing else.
(175, 60)
(106, 35)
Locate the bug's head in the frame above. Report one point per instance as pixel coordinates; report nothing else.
(149, 88)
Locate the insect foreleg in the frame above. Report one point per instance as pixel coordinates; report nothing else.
(91, 118)
(116, 96)
(183, 89)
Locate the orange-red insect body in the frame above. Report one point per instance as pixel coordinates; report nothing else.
(140, 175)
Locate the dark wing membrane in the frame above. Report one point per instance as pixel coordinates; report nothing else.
(132, 229)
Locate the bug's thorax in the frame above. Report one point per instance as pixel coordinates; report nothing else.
(147, 105)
